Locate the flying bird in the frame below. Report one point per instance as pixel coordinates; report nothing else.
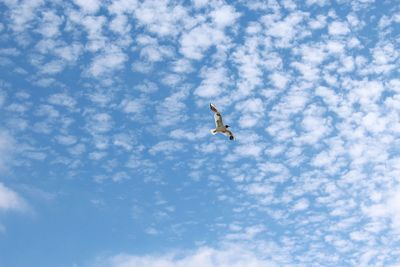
(220, 127)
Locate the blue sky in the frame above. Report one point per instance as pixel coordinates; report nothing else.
(106, 156)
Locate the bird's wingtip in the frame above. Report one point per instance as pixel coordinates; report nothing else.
(212, 107)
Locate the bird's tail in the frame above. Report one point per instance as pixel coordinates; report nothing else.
(213, 131)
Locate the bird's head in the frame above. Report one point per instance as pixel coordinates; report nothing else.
(227, 126)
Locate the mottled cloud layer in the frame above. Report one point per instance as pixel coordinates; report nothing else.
(122, 88)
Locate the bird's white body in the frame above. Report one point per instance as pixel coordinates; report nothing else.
(218, 130)
(220, 127)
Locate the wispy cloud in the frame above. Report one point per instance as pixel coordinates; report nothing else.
(11, 200)
(233, 255)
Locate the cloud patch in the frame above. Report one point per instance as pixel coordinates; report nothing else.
(11, 200)
(232, 256)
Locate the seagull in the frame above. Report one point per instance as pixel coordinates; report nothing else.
(220, 127)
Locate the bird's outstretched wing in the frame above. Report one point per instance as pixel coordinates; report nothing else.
(213, 108)
(217, 116)
(229, 134)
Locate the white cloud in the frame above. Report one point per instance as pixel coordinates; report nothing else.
(224, 16)
(232, 256)
(318, 23)
(301, 205)
(161, 18)
(147, 87)
(10, 200)
(66, 140)
(156, 53)
(62, 99)
(183, 66)
(338, 28)
(196, 42)
(124, 140)
(17, 108)
(251, 105)
(279, 79)
(354, 21)
(285, 29)
(214, 81)
(93, 25)
(23, 12)
(200, 3)
(77, 149)
(366, 92)
(289, 4)
(50, 24)
(312, 54)
(100, 123)
(309, 72)
(248, 121)
(314, 124)
(88, 6)
(249, 150)
(388, 207)
(123, 6)
(151, 231)
(136, 106)
(172, 110)
(250, 65)
(334, 47)
(166, 147)
(171, 79)
(120, 24)
(120, 176)
(69, 52)
(316, 2)
(374, 123)
(252, 110)
(188, 135)
(348, 64)
(111, 60)
(385, 56)
(249, 233)
(97, 155)
(52, 67)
